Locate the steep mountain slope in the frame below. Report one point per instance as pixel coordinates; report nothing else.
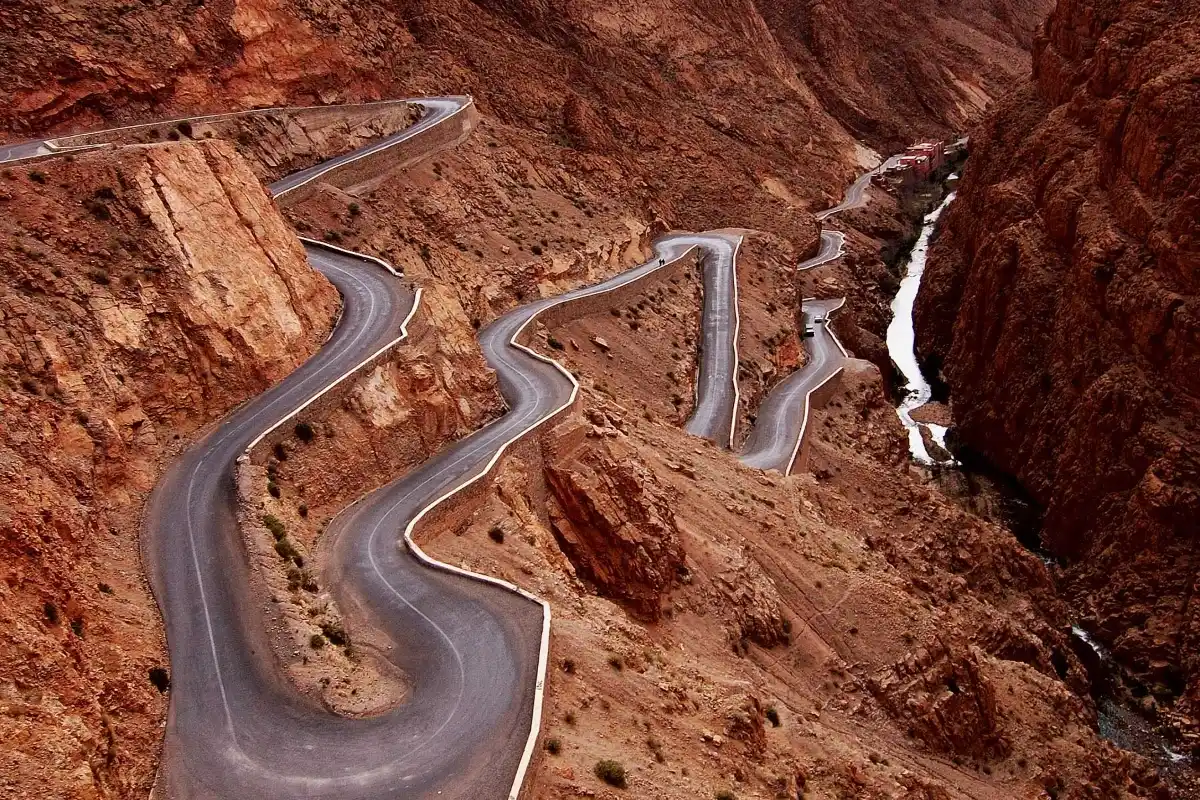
(768, 86)
(124, 327)
(1062, 301)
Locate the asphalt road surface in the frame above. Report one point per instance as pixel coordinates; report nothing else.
(437, 109)
(715, 412)
(469, 650)
(783, 413)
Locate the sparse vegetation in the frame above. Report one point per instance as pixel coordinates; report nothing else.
(554, 343)
(105, 588)
(773, 716)
(335, 633)
(568, 666)
(553, 746)
(332, 236)
(274, 490)
(51, 613)
(37, 176)
(302, 510)
(496, 534)
(77, 627)
(285, 549)
(316, 641)
(611, 772)
(616, 663)
(275, 526)
(280, 451)
(185, 128)
(536, 249)
(305, 432)
(725, 794)
(355, 209)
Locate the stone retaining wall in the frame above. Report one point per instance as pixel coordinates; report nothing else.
(374, 167)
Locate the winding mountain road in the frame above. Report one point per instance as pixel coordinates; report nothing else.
(782, 419)
(783, 414)
(473, 649)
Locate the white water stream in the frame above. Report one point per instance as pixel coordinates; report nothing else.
(901, 344)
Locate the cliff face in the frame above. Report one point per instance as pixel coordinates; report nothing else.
(127, 321)
(1061, 299)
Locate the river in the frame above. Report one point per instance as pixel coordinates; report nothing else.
(901, 344)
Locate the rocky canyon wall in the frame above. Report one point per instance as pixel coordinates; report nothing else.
(779, 90)
(144, 294)
(1061, 300)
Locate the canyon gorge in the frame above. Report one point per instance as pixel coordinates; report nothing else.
(848, 628)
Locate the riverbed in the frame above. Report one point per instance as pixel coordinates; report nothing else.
(901, 344)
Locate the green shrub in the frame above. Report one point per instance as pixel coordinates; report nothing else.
(37, 176)
(77, 626)
(280, 451)
(105, 588)
(285, 549)
(273, 489)
(303, 510)
(496, 533)
(309, 583)
(611, 772)
(553, 746)
(334, 632)
(316, 641)
(725, 794)
(355, 209)
(555, 344)
(536, 249)
(274, 525)
(51, 612)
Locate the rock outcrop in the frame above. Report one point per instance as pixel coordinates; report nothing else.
(128, 321)
(944, 695)
(1061, 301)
(614, 522)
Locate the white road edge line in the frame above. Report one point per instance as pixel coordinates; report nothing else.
(737, 329)
(318, 243)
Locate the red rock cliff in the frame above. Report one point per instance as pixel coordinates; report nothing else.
(1061, 299)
